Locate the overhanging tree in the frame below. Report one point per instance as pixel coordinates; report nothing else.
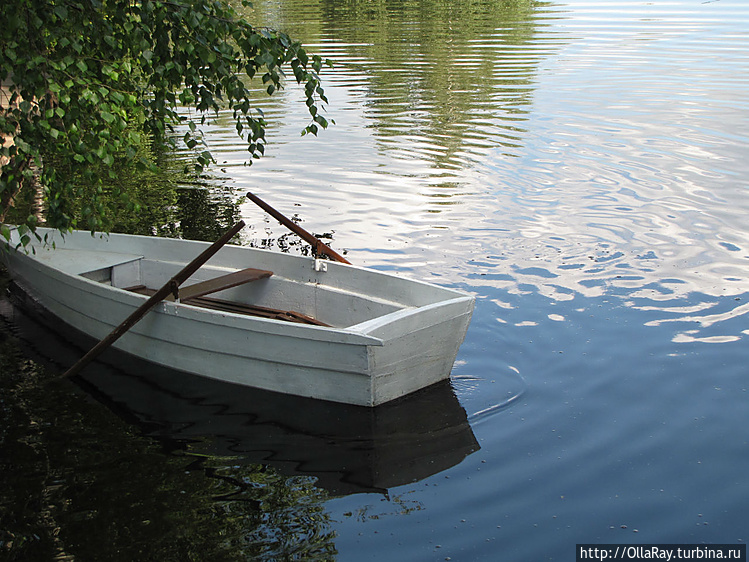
(85, 81)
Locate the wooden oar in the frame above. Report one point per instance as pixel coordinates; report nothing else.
(317, 244)
(170, 287)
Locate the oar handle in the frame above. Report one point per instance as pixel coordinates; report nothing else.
(155, 299)
(319, 246)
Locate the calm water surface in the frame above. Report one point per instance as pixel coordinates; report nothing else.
(582, 169)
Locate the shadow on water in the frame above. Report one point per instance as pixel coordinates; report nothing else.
(346, 449)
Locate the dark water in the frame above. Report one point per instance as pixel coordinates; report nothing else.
(581, 168)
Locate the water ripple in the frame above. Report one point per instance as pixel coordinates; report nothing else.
(577, 150)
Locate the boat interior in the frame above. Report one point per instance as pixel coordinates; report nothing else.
(249, 291)
(196, 294)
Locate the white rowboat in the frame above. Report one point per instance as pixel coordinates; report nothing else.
(276, 321)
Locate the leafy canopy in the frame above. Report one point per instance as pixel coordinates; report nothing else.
(85, 80)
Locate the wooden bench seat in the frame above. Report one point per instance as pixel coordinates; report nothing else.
(220, 283)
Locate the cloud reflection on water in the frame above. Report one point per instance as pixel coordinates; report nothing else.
(535, 150)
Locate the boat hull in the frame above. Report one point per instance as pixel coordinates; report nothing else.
(368, 363)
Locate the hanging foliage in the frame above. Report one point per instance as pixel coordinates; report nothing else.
(85, 80)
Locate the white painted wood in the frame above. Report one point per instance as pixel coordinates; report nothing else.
(388, 336)
(126, 274)
(77, 262)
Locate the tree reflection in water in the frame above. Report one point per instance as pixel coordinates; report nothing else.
(78, 482)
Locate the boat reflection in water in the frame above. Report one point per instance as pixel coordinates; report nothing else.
(348, 449)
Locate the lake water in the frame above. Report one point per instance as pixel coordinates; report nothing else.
(582, 169)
